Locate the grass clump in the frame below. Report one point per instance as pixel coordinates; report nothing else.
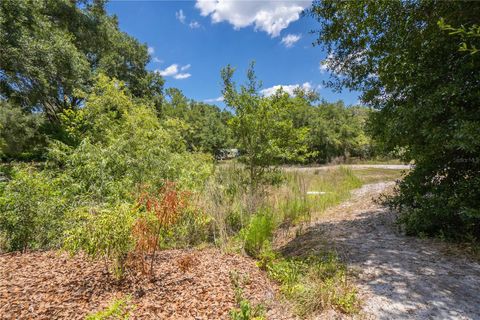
(315, 283)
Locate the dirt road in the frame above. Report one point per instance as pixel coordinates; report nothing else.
(398, 277)
(351, 166)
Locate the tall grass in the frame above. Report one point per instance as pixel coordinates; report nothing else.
(305, 195)
(250, 221)
(295, 197)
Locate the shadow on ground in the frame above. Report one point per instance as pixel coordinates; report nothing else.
(402, 277)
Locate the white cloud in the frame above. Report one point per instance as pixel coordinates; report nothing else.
(194, 25)
(157, 60)
(169, 71)
(287, 88)
(175, 71)
(181, 76)
(151, 50)
(180, 16)
(219, 99)
(271, 16)
(290, 39)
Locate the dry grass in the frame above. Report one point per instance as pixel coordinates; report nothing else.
(374, 175)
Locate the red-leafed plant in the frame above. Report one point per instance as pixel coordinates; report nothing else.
(163, 209)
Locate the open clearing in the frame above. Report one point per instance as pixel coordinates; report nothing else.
(398, 277)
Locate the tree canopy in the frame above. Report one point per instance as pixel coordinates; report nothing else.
(51, 50)
(423, 80)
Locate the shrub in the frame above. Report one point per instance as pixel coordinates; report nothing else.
(103, 233)
(259, 230)
(31, 210)
(440, 204)
(162, 209)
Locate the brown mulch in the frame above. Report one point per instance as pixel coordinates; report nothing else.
(189, 284)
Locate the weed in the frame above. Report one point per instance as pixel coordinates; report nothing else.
(245, 310)
(315, 283)
(119, 309)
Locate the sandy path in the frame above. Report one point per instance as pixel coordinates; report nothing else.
(399, 277)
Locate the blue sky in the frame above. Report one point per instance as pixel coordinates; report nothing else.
(190, 41)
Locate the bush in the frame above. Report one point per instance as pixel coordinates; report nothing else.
(259, 230)
(441, 204)
(161, 210)
(103, 233)
(31, 210)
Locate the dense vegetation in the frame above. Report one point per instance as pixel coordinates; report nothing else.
(98, 157)
(122, 167)
(417, 65)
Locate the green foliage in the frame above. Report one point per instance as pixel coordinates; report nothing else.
(103, 233)
(470, 36)
(445, 206)
(119, 309)
(206, 125)
(405, 58)
(327, 187)
(51, 51)
(116, 146)
(339, 131)
(20, 133)
(265, 132)
(245, 310)
(31, 210)
(258, 232)
(121, 144)
(315, 283)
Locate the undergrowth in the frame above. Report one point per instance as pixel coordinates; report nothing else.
(245, 309)
(314, 283)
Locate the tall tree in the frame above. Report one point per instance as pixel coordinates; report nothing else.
(426, 92)
(206, 130)
(51, 49)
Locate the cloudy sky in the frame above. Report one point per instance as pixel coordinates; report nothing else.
(190, 41)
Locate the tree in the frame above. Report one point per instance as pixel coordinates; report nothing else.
(426, 94)
(206, 125)
(20, 133)
(51, 51)
(265, 132)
